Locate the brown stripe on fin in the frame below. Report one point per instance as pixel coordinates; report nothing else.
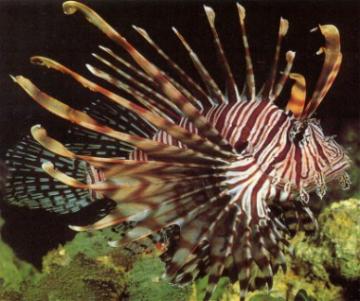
(190, 139)
(250, 77)
(221, 243)
(195, 89)
(212, 87)
(181, 210)
(40, 135)
(153, 148)
(330, 69)
(153, 100)
(194, 115)
(269, 84)
(262, 259)
(296, 102)
(133, 167)
(148, 79)
(290, 56)
(118, 216)
(232, 89)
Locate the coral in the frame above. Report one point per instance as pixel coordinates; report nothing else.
(90, 270)
(81, 278)
(10, 296)
(312, 263)
(87, 269)
(336, 248)
(84, 269)
(340, 232)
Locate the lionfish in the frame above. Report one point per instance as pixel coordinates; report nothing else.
(228, 174)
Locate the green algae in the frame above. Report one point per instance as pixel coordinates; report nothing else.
(13, 271)
(147, 284)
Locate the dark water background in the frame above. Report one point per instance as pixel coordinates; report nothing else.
(40, 28)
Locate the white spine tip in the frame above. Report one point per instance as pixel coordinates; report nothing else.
(290, 55)
(12, 77)
(208, 9)
(210, 14)
(47, 165)
(104, 48)
(36, 126)
(89, 67)
(320, 51)
(284, 26)
(242, 11)
(76, 228)
(141, 31)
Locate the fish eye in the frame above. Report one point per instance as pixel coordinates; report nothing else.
(299, 133)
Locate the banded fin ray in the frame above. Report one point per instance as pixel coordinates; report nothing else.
(268, 87)
(147, 96)
(192, 140)
(204, 127)
(231, 87)
(154, 149)
(211, 86)
(195, 89)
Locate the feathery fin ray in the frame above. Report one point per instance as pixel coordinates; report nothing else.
(205, 128)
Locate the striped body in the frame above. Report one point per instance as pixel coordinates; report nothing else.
(269, 134)
(221, 180)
